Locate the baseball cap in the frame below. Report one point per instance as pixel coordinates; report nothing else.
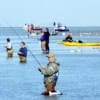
(50, 55)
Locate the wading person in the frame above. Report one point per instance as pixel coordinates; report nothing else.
(47, 34)
(9, 48)
(50, 74)
(22, 52)
(43, 42)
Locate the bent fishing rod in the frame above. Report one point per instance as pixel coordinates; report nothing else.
(38, 62)
(29, 50)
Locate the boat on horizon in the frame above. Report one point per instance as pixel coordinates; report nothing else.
(32, 28)
(61, 29)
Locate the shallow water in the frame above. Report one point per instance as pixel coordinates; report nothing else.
(79, 77)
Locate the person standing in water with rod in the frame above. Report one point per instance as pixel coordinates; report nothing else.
(50, 74)
(9, 48)
(22, 52)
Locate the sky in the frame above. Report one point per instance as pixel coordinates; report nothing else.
(45, 12)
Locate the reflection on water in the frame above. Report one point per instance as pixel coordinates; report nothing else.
(50, 98)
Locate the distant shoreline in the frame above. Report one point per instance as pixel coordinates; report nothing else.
(52, 26)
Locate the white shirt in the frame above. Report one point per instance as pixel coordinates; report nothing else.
(9, 45)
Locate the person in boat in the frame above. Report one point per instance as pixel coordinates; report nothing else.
(68, 38)
(32, 27)
(47, 34)
(29, 34)
(50, 74)
(25, 27)
(9, 48)
(22, 52)
(43, 42)
(54, 24)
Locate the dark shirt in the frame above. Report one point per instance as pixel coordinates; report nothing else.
(23, 51)
(47, 34)
(69, 38)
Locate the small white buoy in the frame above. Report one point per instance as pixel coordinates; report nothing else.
(55, 93)
(63, 34)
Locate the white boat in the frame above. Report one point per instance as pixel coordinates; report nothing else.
(61, 29)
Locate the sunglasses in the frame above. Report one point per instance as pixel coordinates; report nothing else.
(49, 57)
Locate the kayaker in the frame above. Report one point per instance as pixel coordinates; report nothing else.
(9, 48)
(50, 74)
(54, 24)
(68, 38)
(22, 52)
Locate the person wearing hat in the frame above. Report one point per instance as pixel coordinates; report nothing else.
(22, 52)
(50, 74)
(9, 48)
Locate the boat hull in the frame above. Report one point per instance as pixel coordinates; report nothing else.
(61, 29)
(80, 44)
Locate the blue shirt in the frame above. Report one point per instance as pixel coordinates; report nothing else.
(23, 51)
(42, 38)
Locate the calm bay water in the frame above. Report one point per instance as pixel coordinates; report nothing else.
(79, 70)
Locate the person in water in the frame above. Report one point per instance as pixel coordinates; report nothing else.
(43, 42)
(9, 48)
(47, 35)
(22, 52)
(50, 74)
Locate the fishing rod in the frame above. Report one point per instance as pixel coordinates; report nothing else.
(35, 57)
(22, 40)
(30, 51)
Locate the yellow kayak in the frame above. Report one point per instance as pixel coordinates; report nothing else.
(79, 44)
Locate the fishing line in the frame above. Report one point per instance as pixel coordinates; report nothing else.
(31, 52)
(22, 40)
